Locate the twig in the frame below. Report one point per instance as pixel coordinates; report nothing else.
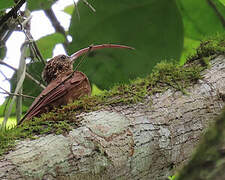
(13, 94)
(35, 80)
(76, 9)
(20, 78)
(3, 75)
(32, 41)
(27, 74)
(89, 5)
(220, 16)
(56, 24)
(5, 37)
(37, 51)
(54, 21)
(12, 12)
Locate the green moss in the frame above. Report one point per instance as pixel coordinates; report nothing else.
(209, 48)
(31, 129)
(164, 76)
(206, 61)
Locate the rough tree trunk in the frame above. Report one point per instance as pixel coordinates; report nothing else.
(138, 141)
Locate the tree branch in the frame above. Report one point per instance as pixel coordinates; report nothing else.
(13, 94)
(54, 21)
(27, 74)
(32, 41)
(56, 24)
(12, 12)
(89, 5)
(4, 75)
(145, 140)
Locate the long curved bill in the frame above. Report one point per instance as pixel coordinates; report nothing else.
(96, 47)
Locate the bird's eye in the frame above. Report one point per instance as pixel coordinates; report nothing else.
(63, 57)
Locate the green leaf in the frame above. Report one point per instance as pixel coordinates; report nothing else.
(39, 4)
(3, 51)
(223, 2)
(13, 113)
(69, 9)
(95, 90)
(220, 8)
(6, 4)
(10, 123)
(47, 43)
(199, 18)
(153, 27)
(190, 46)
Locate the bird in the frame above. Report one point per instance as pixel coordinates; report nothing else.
(64, 85)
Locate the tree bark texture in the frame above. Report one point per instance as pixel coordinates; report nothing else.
(138, 141)
(208, 160)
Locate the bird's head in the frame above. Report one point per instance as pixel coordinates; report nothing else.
(63, 65)
(57, 66)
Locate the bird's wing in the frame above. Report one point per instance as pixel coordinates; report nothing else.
(78, 77)
(50, 94)
(56, 90)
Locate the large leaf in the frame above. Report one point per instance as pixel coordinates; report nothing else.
(220, 8)
(189, 49)
(69, 9)
(200, 18)
(223, 2)
(6, 4)
(39, 4)
(153, 27)
(47, 43)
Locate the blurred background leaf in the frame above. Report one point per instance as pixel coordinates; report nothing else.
(223, 2)
(3, 50)
(6, 4)
(39, 4)
(201, 19)
(69, 9)
(47, 43)
(154, 28)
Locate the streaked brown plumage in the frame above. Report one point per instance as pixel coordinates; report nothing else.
(57, 92)
(64, 85)
(57, 66)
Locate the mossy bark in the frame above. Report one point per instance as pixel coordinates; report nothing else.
(146, 140)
